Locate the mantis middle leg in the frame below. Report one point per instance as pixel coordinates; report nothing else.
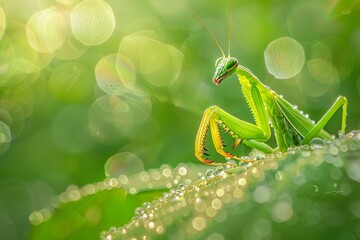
(340, 101)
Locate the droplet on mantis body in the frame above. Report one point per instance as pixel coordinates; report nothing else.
(284, 57)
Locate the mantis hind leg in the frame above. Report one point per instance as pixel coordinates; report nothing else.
(340, 101)
(243, 132)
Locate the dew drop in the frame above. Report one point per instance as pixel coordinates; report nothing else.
(316, 144)
(201, 176)
(210, 173)
(291, 150)
(256, 155)
(220, 172)
(230, 164)
(305, 153)
(354, 134)
(146, 205)
(278, 154)
(333, 150)
(139, 212)
(341, 134)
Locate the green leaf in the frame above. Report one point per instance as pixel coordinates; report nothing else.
(83, 213)
(310, 192)
(87, 217)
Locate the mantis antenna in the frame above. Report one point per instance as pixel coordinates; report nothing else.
(229, 34)
(210, 32)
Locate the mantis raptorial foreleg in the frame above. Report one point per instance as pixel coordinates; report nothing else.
(243, 132)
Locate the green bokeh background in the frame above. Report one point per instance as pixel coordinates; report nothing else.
(51, 145)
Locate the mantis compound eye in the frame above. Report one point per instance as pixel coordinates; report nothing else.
(231, 63)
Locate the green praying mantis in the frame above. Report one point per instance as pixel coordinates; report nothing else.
(291, 127)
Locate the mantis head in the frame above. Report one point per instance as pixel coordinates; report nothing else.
(225, 67)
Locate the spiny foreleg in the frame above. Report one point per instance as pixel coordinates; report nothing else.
(243, 132)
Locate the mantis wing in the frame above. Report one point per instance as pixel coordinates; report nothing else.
(300, 123)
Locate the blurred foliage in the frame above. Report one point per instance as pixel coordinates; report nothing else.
(82, 81)
(312, 191)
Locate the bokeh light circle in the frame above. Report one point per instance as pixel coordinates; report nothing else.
(7, 53)
(2, 22)
(68, 2)
(159, 63)
(284, 57)
(5, 116)
(325, 79)
(5, 137)
(140, 106)
(114, 74)
(71, 49)
(112, 117)
(46, 31)
(92, 22)
(70, 82)
(124, 163)
(26, 59)
(322, 71)
(108, 116)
